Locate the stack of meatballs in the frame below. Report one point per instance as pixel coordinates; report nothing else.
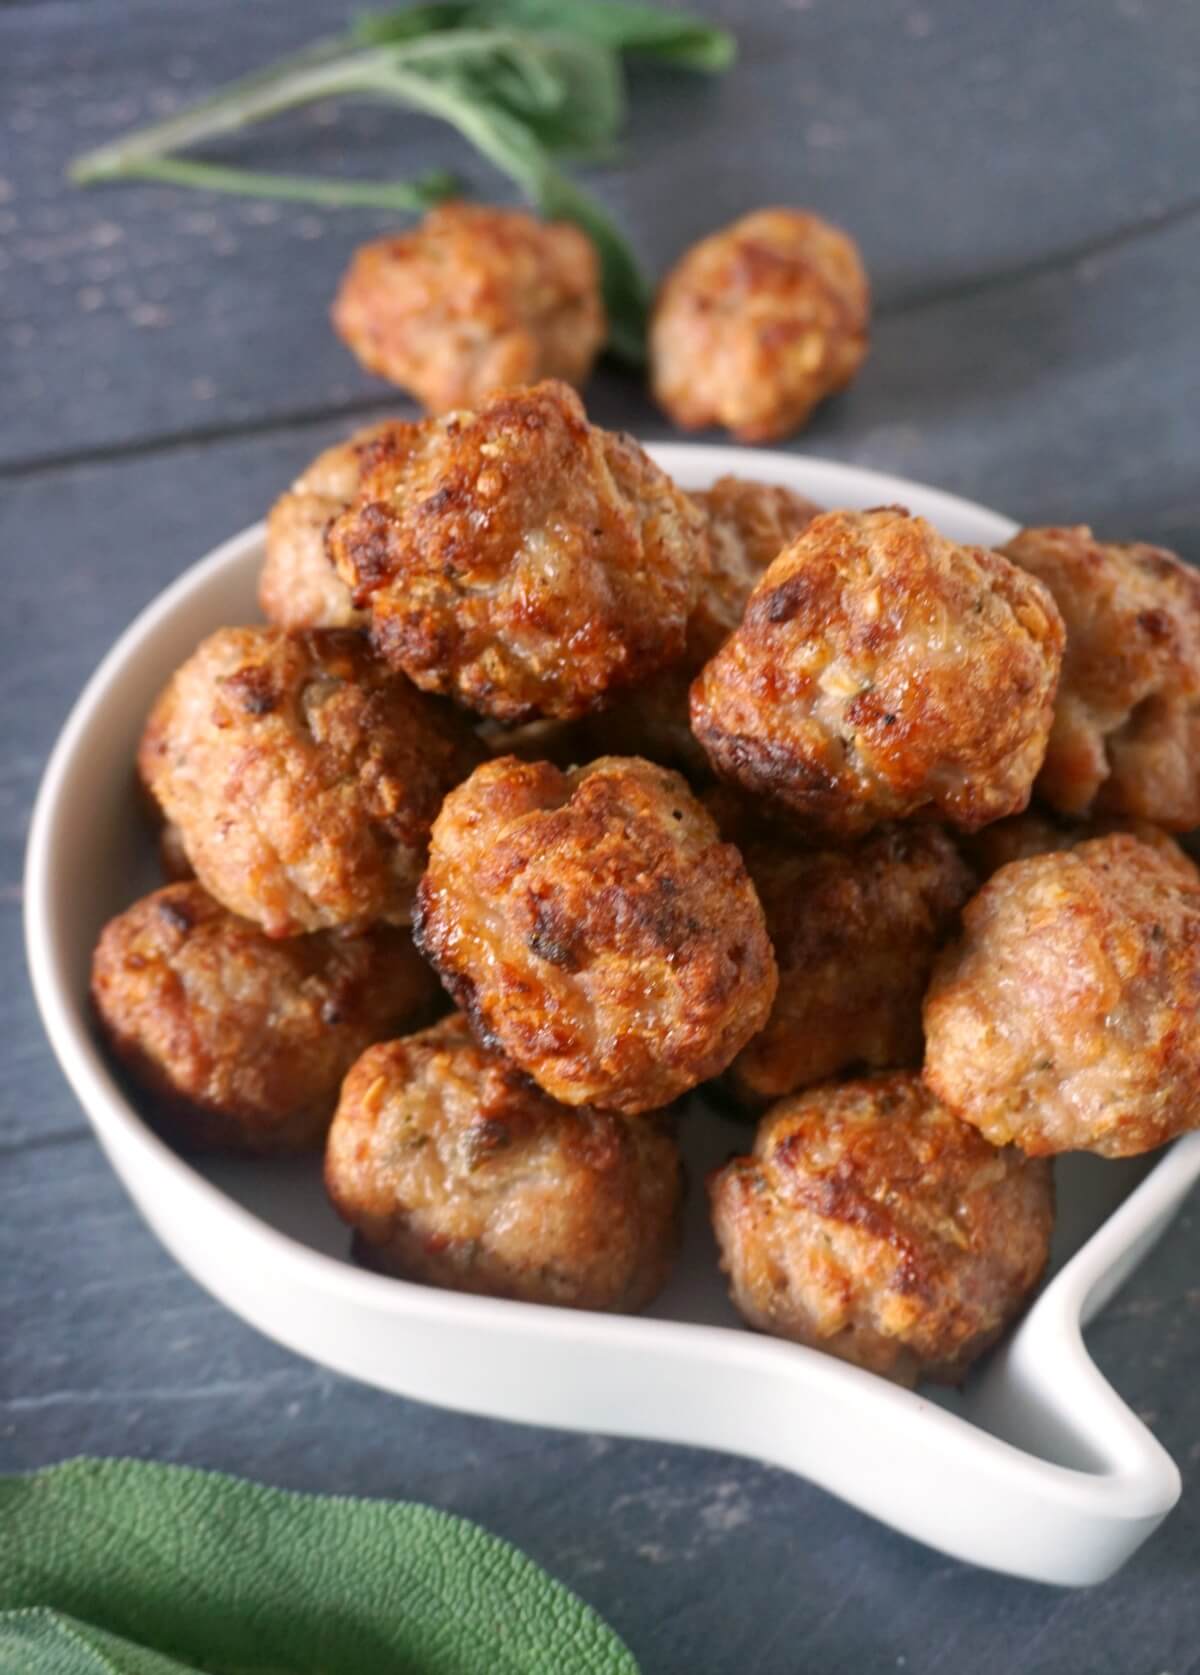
(668, 790)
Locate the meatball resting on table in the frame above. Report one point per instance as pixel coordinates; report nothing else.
(471, 301)
(758, 323)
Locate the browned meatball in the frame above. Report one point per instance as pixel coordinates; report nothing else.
(1068, 1017)
(882, 671)
(747, 524)
(1126, 737)
(455, 1169)
(758, 323)
(855, 932)
(874, 1225)
(1037, 833)
(245, 1041)
(299, 587)
(596, 929)
(303, 776)
(471, 301)
(520, 559)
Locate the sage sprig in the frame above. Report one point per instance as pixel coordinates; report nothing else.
(120, 1567)
(531, 84)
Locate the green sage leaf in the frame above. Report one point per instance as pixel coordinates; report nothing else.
(224, 1575)
(41, 1642)
(669, 36)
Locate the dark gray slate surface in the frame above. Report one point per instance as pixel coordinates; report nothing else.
(1022, 178)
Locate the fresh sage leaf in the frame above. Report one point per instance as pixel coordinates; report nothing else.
(222, 1575)
(671, 37)
(405, 197)
(527, 82)
(512, 147)
(41, 1642)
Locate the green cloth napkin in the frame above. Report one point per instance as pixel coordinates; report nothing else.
(120, 1567)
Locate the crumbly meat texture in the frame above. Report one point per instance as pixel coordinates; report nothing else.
(596, 929)
(748, 523)
(882, 671)
(1126, 736)
(454, 1169)
(303, 776)
(298, 586)
(1037, 832)
(521, 560)
(758, 323)
(1067, 1018)
(242, 1041)
(871, 1223)
(471, 301)
(855, 932)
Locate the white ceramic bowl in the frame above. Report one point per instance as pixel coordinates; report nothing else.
(1038, 1468)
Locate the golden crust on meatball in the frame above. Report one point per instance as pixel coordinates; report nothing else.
(303, 775)
(758, 323)
(244, 1041)
(855, 932)
(1066, 1018)
(871, 1223)
(882, 671)
(472, 301)
(1038, 833)
(298, 586)
(1126, 736)
(456, 1170)
(595, 928)
(520, 559)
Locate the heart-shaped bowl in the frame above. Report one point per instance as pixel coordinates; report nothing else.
(1036, 1467)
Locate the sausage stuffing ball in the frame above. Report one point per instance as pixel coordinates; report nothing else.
(596, 929)
(1126, 737)
(1037, 833)
(758, 323)
(520, 559)
(245, 1041)
(748, 524)
(303, 776)
(871, 1223)
(882, 671)
(471, 301)
(1068, 1017)
(855, 932)
(299, 587)
(456, 1170)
